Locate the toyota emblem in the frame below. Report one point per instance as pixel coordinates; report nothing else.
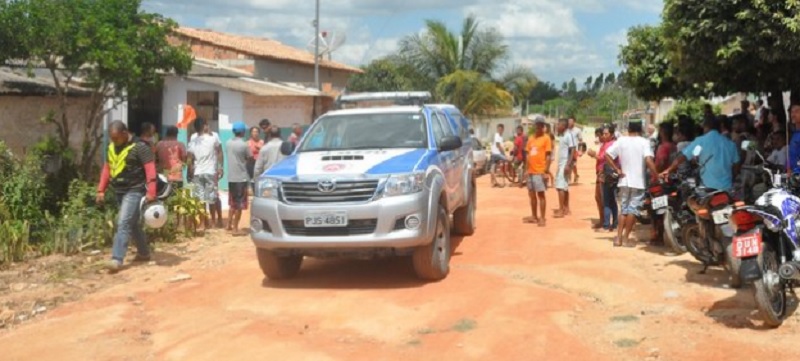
(326, 185)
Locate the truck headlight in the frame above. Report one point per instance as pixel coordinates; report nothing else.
(402, 184)
(268, 188)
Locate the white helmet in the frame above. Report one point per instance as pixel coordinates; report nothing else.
(154, 214)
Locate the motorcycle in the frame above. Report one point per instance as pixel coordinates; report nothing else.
(710, 242)
(768, 244)
(670, 201)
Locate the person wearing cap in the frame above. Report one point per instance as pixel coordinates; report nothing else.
(238, 156)
(538, 150)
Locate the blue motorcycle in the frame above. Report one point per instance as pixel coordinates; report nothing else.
(767, 241)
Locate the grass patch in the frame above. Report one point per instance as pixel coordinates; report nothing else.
(626, 343)
(625, 318)
(426, 331)
(465, 325)
(414, 343)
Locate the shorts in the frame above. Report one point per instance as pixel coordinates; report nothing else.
(205, 188)
(630, 200)
(561, 179)
(536, 183)
(237, 195)
(496, 158)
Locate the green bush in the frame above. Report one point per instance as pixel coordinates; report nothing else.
(692, 108)
(81, 224)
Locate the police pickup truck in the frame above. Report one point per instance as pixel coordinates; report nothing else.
(369, 182)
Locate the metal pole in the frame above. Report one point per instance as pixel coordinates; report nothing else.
(316, 48)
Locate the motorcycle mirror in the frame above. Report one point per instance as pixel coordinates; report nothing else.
(697, 150)
(745, 145)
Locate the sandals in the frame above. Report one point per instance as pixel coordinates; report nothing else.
(558, 214)
(542, 222)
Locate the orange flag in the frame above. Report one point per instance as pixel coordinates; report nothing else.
(189, 115)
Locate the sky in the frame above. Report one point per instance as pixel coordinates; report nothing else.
(558, 39)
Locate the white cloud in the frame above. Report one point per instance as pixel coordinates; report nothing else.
(542, 34)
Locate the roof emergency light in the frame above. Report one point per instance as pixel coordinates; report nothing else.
(359, 100)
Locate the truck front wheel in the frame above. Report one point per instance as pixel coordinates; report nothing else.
(278, 267)
(432, 261)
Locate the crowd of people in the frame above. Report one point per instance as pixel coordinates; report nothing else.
(132, 165)
(626, 165)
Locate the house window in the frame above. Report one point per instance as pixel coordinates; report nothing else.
(206, 104)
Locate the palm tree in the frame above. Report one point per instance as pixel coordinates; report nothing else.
(472, 94)
(437, 52)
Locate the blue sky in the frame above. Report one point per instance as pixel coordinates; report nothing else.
(558, 39)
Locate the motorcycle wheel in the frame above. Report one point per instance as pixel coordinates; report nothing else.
(733, 265)
(672, 235)
(770, 291)
(692, 238)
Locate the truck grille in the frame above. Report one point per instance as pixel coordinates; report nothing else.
(345, 191)
(355, 227)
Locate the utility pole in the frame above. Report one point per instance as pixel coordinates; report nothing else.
(316, 63)
(316, 48)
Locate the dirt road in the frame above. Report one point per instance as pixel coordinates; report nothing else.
(516, 292)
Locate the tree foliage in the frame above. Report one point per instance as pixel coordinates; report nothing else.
(693, 108)
(109, 48)
(438, 52)
(472, 94)
(388, 74)
(749, 46)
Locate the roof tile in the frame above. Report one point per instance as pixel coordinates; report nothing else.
(260, 47)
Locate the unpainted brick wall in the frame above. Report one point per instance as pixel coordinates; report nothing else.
(21, 123)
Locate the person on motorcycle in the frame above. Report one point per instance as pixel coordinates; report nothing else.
(719, 157)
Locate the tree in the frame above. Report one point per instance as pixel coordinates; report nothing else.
(598, 83)
(611, 79)
(472, 93)
(519, 82)
(588, 84)
(387, 74)
(737, 46)
(109, 48)
(438, 52)
(543, 92)
(693, 108)
(648, 70)
(572, 88)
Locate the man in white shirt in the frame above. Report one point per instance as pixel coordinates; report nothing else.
(779, 155)
(577, 134)
(634, 153)
(567, 145)
(270, 153)
(498, 154)
(205, 167)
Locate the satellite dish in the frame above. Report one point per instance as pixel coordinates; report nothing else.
(328, 43)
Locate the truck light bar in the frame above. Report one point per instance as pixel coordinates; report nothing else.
(392, 98)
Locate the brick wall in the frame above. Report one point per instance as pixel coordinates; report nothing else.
(208, 51)
(21, 125)
(281, 111)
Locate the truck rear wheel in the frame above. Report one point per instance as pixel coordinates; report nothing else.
(432, 261)
(464, 217)
(278, 267)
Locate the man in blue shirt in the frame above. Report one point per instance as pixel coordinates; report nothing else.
(719, 157)
(794, 143)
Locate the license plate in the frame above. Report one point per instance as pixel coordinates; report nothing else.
(747, 245)
(660, 202)
(722, 216)
(325, 219)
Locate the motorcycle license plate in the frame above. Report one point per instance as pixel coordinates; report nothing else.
(747, 245)
(660, 202)
(721, 216)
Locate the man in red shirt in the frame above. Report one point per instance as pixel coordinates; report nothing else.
(519, 152)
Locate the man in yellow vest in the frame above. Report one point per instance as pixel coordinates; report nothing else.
(131, 169)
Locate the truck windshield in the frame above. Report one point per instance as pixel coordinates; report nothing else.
(367, 131)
